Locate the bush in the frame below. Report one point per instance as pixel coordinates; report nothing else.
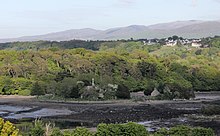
(123, 92)
(38, 129)
(67, 88)
(185, 131)
(129, 129)
(180, 130)
(81, 132)
(56, 132)
(162, 132)
(24, 92)
(89, 94)
(149, 88)
(179, 87)
(37, 89)
(7, 128)
(199, 131)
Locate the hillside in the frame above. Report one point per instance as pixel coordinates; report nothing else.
(188, 29)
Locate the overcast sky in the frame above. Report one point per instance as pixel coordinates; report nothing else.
(32, 17)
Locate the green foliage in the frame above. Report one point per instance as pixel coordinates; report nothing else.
(56, 132)
(37, 89)
(67, 88)
(7, 128)
(202, 132)
(147, 69)
(38, 129)
(122, 92)
(185, 131)
(24, 92)
(179, 87)
(81, 132)
(129, 129)
(180, 131)
(149, 87)
(48, 67)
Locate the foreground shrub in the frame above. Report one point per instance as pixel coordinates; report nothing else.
(79, 131)
(202, 132)
(180, 130)
(129, 129)
(56, 132)
(7, 128)
(38, 129)
(185, 131)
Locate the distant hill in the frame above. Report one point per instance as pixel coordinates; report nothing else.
(188, 29)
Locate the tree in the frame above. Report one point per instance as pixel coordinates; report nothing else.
(175, 37)
(37, 89)
(122, 92)
(147, 69)
(67, 88)
(149, 87)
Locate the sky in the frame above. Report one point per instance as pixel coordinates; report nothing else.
(34, 17)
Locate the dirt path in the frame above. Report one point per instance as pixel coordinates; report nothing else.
(14, 98)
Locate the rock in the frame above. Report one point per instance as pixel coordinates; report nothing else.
(101, 95)
(155, 92)
(113, 86)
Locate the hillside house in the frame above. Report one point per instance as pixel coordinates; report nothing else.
(171, 43)
(196, 44)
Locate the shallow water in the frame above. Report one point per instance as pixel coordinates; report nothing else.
(7, 108)
(191, 120)
(207, 95)
(45, 112)
(18, 112)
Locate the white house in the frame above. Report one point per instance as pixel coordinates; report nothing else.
(195, 44)
(171, 43)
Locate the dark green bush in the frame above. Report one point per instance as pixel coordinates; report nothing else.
(202, 132)
(123, 92)
(37, 89)
(129, 129)
(56, 132)
(149, 88)
(180, 131)
(185, 131)
(81, 132)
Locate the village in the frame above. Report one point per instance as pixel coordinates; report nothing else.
(178, 41)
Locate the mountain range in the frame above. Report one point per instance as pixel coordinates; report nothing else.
(187, 29)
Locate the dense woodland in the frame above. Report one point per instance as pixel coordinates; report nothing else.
(66, 69)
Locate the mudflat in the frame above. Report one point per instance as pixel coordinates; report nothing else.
(117, 111)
